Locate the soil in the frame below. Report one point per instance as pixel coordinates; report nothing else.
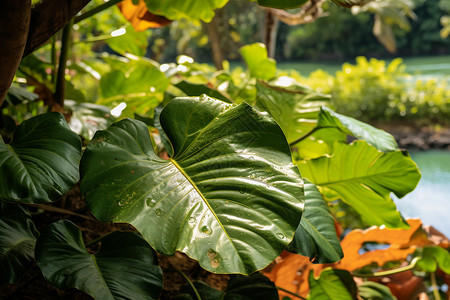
(34, 286)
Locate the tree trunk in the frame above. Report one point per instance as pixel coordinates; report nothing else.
(14, 24)
(271, 24)
(214, 38)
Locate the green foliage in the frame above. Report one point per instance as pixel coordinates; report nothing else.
(259, 65)
(370, 290)
(332, 285)
(123, 268)
(204, 198)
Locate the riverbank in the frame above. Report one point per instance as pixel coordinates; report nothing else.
(411, 137)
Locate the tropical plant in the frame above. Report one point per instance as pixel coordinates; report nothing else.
(230, 168)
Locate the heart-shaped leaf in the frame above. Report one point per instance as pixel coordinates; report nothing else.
(364, 178)
(317, 228)
(17, 239)
(41, 162)
(123, 268)
(229, 196)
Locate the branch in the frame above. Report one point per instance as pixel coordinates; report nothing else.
(308, 13)
(47, 18)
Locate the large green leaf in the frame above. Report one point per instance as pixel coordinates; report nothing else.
(190, 9)
(124, 267)
(17, 239)
(364, 178)
(295, 112)
(41, 162)
(332, 285)
(229, 197)
(316, 236)
(378, 138)
(134, 42)
(192, 89)
(284, 4)
(259, 65)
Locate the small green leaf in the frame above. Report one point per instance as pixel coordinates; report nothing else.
(228, 197)
(370, 290)
(282, 4)
(17, 239)
(378, 138)
(364, 177)
(434, 257)
(332, 285)
(124, 267)
(316, 236)
(260, 66)
(41, 162)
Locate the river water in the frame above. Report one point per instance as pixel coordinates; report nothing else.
(430, 201)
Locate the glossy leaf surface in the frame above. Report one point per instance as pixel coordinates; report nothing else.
(259, 65)
(41, 162)
(332, 285)
(123, 268)
(316, 236)
(17, 239)
(295, 112)
(364, 178)
(229, 197)
(190, 9)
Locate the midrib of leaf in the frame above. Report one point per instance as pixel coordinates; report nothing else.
(15, 155)
(205, 201)
(330, 246)
(100, 273)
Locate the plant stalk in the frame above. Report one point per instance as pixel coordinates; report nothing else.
(95, 241)
(54, 60)
(60, 89)
(435, 286)
(95, 10)
(190, 283)
(290, 293)
(390, 272)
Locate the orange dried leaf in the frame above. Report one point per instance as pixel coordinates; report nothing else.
(139, 16)
(400, 241)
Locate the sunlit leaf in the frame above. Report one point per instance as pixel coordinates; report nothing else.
(364, 178)
(295, 112)
(191, 89)
(332, 285)
(316, 235)
(190, 9)
(259, 65)
(433, 258)
(17, 239)
(124, 267)
(130, 42)
(41, 162)
(139, 16)
(229, 196)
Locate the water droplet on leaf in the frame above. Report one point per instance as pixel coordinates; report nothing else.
(150, 202)
(280, 235)
(206, 230)
(158, 212)
(191, 220)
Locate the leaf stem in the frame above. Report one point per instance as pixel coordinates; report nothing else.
(95, 241)
(95, 10)
(434, 284)
(190, 283)
(61, 211)
(290, 293)
(389, 272)
(60, 89)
